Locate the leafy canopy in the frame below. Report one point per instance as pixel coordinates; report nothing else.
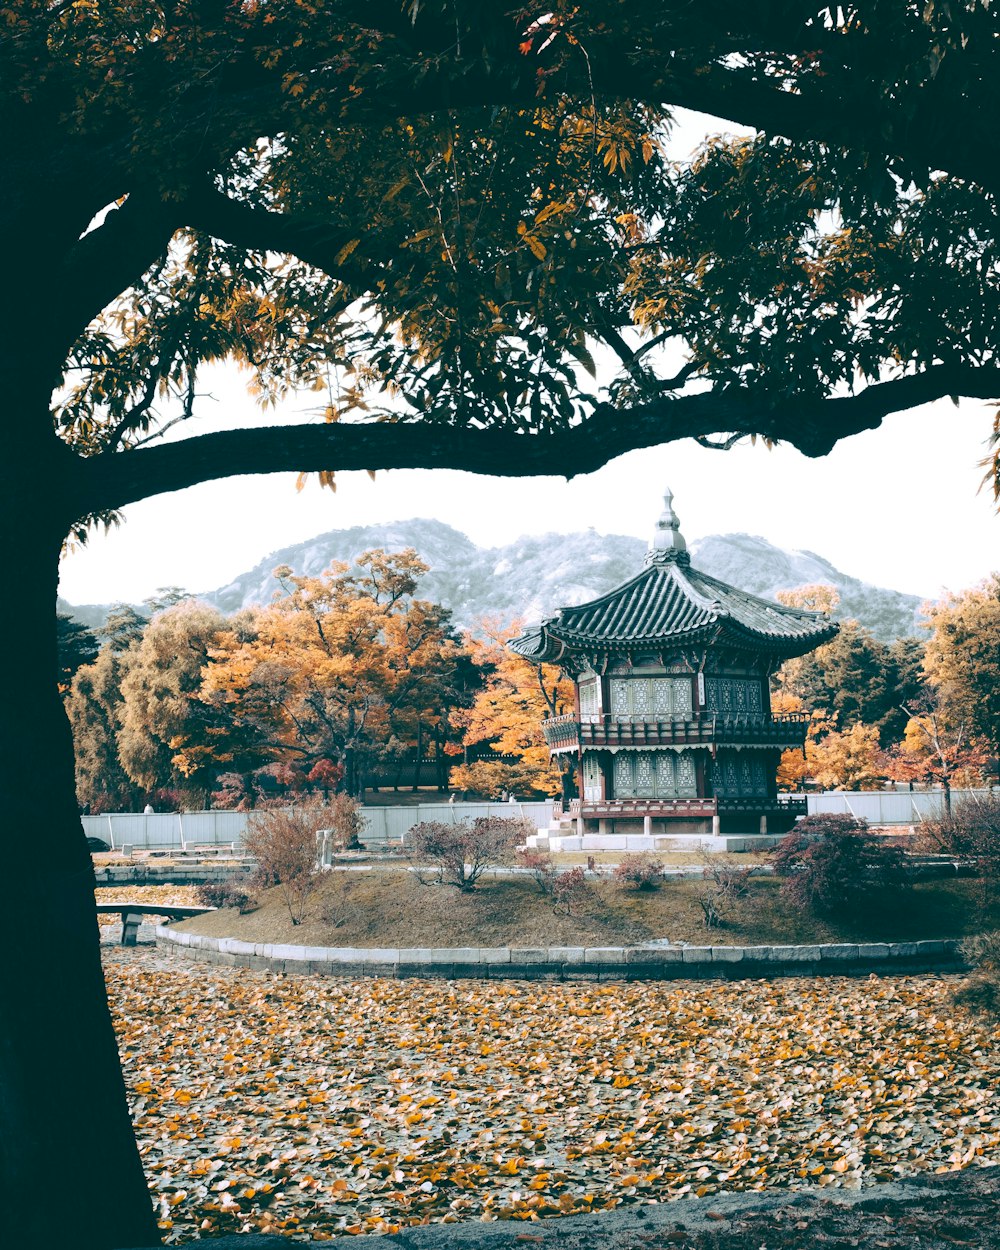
(447, 215)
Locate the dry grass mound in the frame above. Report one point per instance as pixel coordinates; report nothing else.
(392, 907)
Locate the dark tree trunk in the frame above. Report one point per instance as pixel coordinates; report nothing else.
(420, 755)
(440, 763)
(69, 1167)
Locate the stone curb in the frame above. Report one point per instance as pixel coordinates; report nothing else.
(569, 963)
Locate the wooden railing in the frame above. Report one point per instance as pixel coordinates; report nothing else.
(566, 732)
(709, 805)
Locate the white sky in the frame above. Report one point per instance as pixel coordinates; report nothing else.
(897, 506)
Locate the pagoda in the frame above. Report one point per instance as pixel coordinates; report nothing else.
(672, 732)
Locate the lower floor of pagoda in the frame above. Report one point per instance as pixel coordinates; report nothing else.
(632, 824)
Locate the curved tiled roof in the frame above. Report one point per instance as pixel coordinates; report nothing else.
(668, 601)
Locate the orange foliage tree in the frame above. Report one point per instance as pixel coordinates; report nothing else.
(506, 719)
(336, 669)
(934, 751)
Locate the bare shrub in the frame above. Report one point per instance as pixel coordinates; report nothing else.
(283, 842)
(834, 865)
(541, 867)
(462, 851)
(711, 916)
(569, 890)
(728, 883)
(343, 823)
(239, 892)
(972, 831)
(981, 990)
(334, 913)
(641, 871)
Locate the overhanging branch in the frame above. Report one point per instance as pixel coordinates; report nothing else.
(321, 244)
(813, 426)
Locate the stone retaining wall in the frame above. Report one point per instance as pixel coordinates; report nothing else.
(570, 963)
(163, 874)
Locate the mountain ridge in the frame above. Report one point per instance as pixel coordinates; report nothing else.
(535, 575)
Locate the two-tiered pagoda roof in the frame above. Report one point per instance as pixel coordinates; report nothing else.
(670, 603)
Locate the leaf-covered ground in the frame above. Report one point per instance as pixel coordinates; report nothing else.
(314, 1106)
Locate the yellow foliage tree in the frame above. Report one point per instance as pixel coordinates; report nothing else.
(847, 759)
(506, 718)
(793, 767)
(962, 661)
(337, 667)
(932, 751)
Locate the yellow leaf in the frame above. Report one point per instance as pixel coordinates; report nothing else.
(346, 250)
(536, 245)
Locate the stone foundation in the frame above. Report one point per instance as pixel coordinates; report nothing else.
(666, 842)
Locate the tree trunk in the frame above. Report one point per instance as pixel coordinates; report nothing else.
(68, 1161)
(420, 755)
(440, 764)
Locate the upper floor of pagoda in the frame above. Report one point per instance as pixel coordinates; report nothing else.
(670, 606)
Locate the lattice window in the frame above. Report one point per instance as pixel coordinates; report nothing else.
(666, 784)
(681, 693)
(644, 775)
(741, 775)
(592, 789)
(648, 697)
(734, 695)
(687, 777)
(623, 775)
(589, 705)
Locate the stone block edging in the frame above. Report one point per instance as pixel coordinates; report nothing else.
(569, 963)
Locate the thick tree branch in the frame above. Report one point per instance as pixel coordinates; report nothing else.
(963, 145)
(314, 241)
(813, 426)
(113, 257)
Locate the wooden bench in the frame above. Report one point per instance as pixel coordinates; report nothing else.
(132, 914)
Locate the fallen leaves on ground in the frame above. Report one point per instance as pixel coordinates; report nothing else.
(315, 1107)
(167, 895)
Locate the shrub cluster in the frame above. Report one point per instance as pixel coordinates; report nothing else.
(540, 865)
(283, 842)
(726, 884)
(641, 871)
(834, 865)
(239, 892)
(461, 851)
(972, 831)
(569, 889)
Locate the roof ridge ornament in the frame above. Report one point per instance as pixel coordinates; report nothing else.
(668, 542)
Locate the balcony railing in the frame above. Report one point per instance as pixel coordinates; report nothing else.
(563, 733)
(697, 807)
(706, 806)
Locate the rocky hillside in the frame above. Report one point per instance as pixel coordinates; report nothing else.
(535, 575)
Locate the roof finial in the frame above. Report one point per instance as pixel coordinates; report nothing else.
(667, 536)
